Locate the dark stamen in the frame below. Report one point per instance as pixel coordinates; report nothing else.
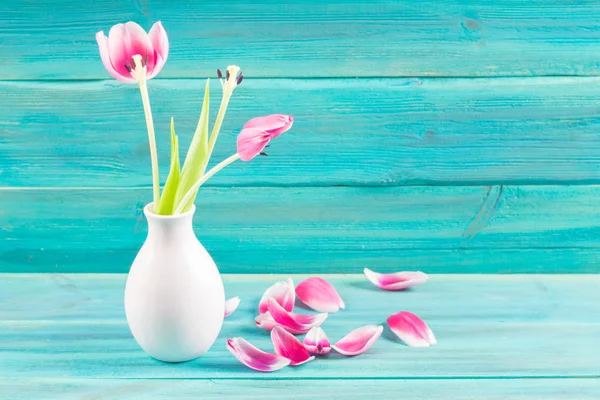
(145, 61)
(262, 153)
(227, 75)
(219, 73)
(128, 67)
(240, 79)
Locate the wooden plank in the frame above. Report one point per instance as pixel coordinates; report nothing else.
(347, 132)
(312, 38)
(73, 326)
(271, 227)
(439, 389)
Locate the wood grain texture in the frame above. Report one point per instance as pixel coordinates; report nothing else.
(524, 326)
(347, 132)
(250, 229)
(244, 389)
(312, 38)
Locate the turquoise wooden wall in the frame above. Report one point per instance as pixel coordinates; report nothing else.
(445, 135)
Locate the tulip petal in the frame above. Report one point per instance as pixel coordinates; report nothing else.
(288, 346)
(316, 341)
(319, 295)
(251, 142)
(396, 281)
(125, 41)
(283, 292)
(103, 46)
(294, 323)
(231, 305)
(411, 329)
(265, 321)
(160, 44)
(359, 340)
(274, 124)
(255, 358)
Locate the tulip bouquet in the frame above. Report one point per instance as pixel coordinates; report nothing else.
(131, 55)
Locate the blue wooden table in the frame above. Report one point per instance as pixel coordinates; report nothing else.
(500, 337)
(449, 136)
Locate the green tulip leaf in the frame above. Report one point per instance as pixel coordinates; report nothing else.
(167, 199)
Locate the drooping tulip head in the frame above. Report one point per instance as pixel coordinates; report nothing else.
(258, 132)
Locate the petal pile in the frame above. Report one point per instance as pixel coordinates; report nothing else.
(231, 305)
(255, 358)
(316, 341)
(291, 322)
(411, 329)
(288, 346)
(397, 280)
(319, 295)
(359, 340)
(276, 315)
(283, 292)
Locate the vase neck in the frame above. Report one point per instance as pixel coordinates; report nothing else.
(169, 227)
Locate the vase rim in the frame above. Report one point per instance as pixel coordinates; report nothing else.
(150, 214)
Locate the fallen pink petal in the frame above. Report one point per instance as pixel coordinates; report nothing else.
(265, 321)
(125, 42)
(231, 305)
(316, 341)
(294, 323)
(255, 358)
(319, 295)
(411, 329)
(359, 340)
(397, 280)
(288, 346)
(283, 292)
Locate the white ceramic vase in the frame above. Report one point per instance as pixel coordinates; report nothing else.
(174, 297)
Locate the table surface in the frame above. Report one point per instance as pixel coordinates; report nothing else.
(500, 337)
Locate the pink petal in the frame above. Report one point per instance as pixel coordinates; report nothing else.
(316, 341)
(231, 305)
(160, 43)
(103, 47)
(396, 281)
(274, 124)
(359, 340)
(265, 321)
(255, 358)
(294, 323)
(319, 295)
(283, 292)
(288, 346)
(411, 329)
(251, 142)
(125, 41)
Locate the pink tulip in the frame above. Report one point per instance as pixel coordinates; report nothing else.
(258, 132)
(130, 54)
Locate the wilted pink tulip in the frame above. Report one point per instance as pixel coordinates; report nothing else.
(258, 132)
(130, 54)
